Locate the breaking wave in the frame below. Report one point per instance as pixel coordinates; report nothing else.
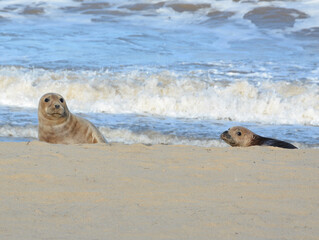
(167, 93)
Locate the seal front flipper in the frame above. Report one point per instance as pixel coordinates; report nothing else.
(277, 143)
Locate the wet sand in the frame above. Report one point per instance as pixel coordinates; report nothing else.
(139, 192)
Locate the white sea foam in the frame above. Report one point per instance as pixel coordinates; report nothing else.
(151, 137)
(117, 135)
(29, 132)
(166, 93)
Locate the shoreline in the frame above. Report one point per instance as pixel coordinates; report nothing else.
(119, 191)
(222, 144)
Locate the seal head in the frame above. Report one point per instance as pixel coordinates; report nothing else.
(52, 107)
(58, 125)
(243, 137)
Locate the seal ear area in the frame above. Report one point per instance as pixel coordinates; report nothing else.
(277, 143)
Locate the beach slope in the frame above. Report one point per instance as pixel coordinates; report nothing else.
(141, 192)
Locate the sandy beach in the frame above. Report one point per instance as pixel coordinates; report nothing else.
(119, 191)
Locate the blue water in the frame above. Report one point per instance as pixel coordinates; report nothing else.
(153, 72)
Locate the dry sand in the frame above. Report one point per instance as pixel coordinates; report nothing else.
(157, 192)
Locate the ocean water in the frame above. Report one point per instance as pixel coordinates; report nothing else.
(164, 72)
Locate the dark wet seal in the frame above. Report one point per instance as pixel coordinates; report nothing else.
(273, 17)
(184, 7)
(143, 6)
(33, 11)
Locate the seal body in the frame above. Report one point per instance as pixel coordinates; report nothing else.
(58, 125)
(243, 137)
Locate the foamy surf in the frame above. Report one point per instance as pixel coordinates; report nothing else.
(153, 106)
(171, 72)
(167, 93)
(205, 136)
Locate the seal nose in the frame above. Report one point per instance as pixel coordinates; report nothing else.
(57, 106)
(224, 135)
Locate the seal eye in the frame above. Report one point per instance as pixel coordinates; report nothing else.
(61, 100)
(239, 133)
(47, 100)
